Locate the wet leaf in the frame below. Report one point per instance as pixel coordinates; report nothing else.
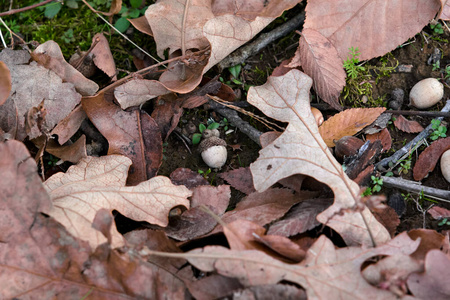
(406, 125)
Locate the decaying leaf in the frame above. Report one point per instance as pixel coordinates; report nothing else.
(438, 212)
(5, 82)
(301, 150)
(384, 136)
(138, 91)
(241, 179)
(320, 60)
(406, 125)
(96, 183)
(34, 85)
(371, 39)
(187, 177)
(348, 122)
(50, 56)
(102, 55)
(73, 152)
(324, 273)
(134, 134)
(429, 157)
(69, 125)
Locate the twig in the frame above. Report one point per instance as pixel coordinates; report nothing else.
(413, 186)
(19, 10)
(234, 119)
(420, 113)
(381, 165)
(1, 36)
(240, 55)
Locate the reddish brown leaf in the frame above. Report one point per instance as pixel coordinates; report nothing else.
(389, 218)
(73, 153)
(134, 134)
(50, 56)
(142, 25)
(384, 136)
(429, 157)
(300, 218)
(241, 179)
(5, 82)
(67, 127)
(216, 197)
(406, 125)
(438, 212)
(103, 58)
(187, 177)
(214, 286)
(166, 113)
(284, 66)
(432, 284)
(348, 122)
(429, 239)
(349, 27)
(283, 246)
(320, 60)
(301, 150)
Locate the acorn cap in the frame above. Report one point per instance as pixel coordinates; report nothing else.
(210, 142)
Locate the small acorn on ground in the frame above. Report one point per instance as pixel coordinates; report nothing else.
(347, 146)
(426, 93)
(445, 165)
(213, 149)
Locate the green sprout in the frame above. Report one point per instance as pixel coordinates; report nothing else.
(351, 64)
(443, 222)
(439, 131)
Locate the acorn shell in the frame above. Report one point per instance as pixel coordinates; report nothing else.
(426, 93)
(445, 165)
(347, 146)
(213, 151)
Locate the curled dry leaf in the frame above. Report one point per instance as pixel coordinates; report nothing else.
(444, 13)
(326, 278)
(5, 82)
(348, 122)
(50, 56)
(134, 134)
(406, 125)
(103, 58)
(67, 127)
(320, 60)
(429, 157)
(73, 152)
(301, 150)
(32, 86)
(371, 39)
(97, 183)
(138, 91)
(384, 136)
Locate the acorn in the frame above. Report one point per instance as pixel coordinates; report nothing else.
(445, 165)
(347, 146)
(426, 93)
(213, 149)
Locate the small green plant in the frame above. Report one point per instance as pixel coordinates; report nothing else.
(405, 166)
(437, 28)
(122, 24)
(196, 137)
(377, 183)
(447, 72)
(204, 173)
(235, 72)
(68, 36)
(439, 130)
(351, 64)
(437, 65)
(443, 222)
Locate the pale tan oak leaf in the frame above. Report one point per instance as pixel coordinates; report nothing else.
(99, 182)
(301, 150)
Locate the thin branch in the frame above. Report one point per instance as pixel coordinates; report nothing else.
(19, 10)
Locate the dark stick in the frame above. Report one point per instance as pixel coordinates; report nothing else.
(19, 10)
(240, 55)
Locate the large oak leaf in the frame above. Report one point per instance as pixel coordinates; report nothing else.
(96, 183)
(364, 24)
(301, 150)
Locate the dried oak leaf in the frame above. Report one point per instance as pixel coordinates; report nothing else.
(96, 183)
(301, 150)
(371, 38)
(50, 56)
(320, 60)
(67, 127)
(241, 179)
(138, 91)
(40, 259)
(348, 122)
(438, 212)
(187, 177)
(406, 125)
(33, 85)
(433, 283)
(429, 157)
(5, 82)
(444, 13)
(131, 133)
(325, 273)
(73, 152)
(384, 136)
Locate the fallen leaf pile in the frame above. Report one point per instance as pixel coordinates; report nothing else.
(301, 228)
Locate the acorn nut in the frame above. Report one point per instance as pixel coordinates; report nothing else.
(213, 149)
(445, 165)
(347, 146)
(317, 115)
(426, 93)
